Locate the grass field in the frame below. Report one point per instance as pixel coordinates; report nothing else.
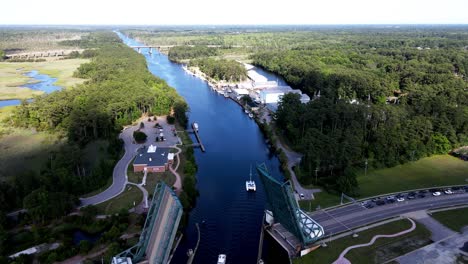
(323, 199)
(153, 178)
(19, 146)
(382, 250)
(11, 76)
(427, 172)
(454, 219)
(125, 201)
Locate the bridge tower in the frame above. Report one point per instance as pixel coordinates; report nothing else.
(285, 216)
(159, 231)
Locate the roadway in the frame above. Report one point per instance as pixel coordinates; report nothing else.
(119, 174)
(344, 218)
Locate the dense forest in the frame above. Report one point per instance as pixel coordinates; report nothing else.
(379, 102)
(118, 90)
(221, 69)
(180, 53)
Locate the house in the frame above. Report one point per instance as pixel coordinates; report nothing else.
(153, 159)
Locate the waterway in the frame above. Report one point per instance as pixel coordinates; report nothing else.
(232, 217)
(39, 82)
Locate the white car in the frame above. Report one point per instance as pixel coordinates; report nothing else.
(400, 199)
(436, 193)
(301, 195)
(448, 191)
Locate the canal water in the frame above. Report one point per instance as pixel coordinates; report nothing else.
(40, 82)
(232, 217)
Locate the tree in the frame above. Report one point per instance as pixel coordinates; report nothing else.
(139, 136)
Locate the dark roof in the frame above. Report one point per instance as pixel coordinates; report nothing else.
(158, 158)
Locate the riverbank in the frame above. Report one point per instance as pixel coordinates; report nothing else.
(13, 76)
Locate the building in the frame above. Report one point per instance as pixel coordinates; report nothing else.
(153, 159)
(273, 95)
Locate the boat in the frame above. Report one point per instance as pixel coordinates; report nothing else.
(246, 111)
(250, 185)
(250, 115)
(226, 95)
(195, 127)
(221, 259)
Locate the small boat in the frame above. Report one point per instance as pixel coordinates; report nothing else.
(250, 115)
(250, 185)
(221, 259)
(246, 111)
(226, 95)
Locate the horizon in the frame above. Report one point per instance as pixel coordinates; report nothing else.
(242, 12)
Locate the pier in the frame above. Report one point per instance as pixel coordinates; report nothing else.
(195, 131)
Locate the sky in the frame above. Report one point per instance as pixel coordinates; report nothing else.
(221, 12)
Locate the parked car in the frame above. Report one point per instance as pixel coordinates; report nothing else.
(400, 199)
(436, 193)
(411, 196)
(301, 195)
(421, 195)
(448, 191)
(380, 202)
(369, 205)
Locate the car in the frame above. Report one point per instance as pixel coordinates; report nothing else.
(411, 196)
(380, 202)
(301, 195)
(400, 199)
(375, 199)
(391, 197)
(421, 195)
(436, 193)
(391, 200)
(423, 191)
(369, 205)
(456, 188)
(448, 191)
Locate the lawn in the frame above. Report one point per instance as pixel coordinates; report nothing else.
(132, 195)
(153, 178)
(11, 76)
(427, 172)
(382, 250)
(324, 199)
(454, 219)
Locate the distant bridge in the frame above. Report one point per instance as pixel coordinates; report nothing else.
(41, 54)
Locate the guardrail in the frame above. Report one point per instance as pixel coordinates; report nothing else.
(393, 193)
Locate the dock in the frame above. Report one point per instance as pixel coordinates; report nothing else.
(195, 131)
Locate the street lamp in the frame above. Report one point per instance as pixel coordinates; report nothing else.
(365, 172)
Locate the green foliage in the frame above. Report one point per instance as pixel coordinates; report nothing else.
(2, 55)
(179, 53)
(120, 89)
(351, 121)
(139, 136)
(222, 69)
(42, 204)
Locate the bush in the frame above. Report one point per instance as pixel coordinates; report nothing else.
(170, 120)
(139, 136)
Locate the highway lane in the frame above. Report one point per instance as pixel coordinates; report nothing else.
(354, 216)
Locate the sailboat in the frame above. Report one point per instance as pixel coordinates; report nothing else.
(250, 185)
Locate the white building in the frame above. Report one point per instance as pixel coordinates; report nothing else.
(273, 95)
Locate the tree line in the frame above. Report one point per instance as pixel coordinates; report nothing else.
(221, 69)
(180, 53)
(118, 90)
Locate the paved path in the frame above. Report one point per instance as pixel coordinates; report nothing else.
(293, 159)
(119, 175)
(342, 260)
(438, 230)
(178, 183)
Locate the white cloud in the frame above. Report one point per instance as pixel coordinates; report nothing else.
(234, 12)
